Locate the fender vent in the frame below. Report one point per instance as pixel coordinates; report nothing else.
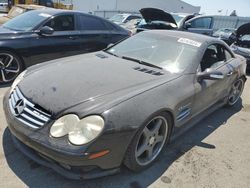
(148, 71)
(102, 56)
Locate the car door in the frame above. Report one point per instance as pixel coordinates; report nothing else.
(209, 92)
(94, 34)
(63, 42)
(201, 25)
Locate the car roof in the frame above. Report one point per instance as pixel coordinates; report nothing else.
(54, 11)
(183, 34)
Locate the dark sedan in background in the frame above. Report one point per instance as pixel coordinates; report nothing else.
(121, 105)
(242, 42)
(43, 35)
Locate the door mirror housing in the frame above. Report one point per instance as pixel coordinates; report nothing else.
(210, 74)
(46, 30)
(187, 25)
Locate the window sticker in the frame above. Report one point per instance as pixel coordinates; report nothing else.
(189, 42)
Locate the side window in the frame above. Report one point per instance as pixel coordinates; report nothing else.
(62, 23)
(89, 23)
(213, 57)
(203, 23)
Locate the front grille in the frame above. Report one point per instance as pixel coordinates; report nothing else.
(26, 112)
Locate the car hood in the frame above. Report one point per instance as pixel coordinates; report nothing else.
(95, 80)
(153, 14)
(243, 30)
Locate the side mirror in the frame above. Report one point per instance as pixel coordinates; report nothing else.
(210, 74)
(187, 25)
(46, 30)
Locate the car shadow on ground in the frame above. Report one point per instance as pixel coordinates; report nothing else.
(34, 175)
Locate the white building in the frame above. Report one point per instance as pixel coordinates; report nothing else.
(107, 8)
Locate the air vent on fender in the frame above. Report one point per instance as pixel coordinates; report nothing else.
(102, 56)
(148, 71)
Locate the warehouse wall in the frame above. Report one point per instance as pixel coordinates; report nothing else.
(133, 5)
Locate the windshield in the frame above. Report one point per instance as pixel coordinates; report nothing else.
(27, 21)
(118, 18)
(170, 53)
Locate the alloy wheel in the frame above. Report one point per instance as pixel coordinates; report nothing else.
(9, 67)
(236, 92)
(151, 140)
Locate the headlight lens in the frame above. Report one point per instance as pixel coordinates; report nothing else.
(79, 131)
(17, 80)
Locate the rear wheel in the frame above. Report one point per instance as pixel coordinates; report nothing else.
(236, 92)
(148, 142)
(10, 67)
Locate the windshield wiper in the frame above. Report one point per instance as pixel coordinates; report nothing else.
(141, 62)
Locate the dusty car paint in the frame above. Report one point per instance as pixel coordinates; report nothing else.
(124, 96)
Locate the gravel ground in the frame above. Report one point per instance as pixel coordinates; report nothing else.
(214, 153)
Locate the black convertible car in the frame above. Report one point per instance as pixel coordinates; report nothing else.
(43, 35)
(85, 116)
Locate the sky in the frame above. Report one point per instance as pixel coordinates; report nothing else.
(242, 7)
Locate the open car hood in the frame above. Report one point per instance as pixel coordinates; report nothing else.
(154, 14)
(243, 30)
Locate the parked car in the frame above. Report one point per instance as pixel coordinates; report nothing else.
(3, 6)
(17, 10)
(225, 34)
(154, 18)
(42, 35)
(209, 24)
(84, 116)
(242, 44)
(123, 18)
(131, 25)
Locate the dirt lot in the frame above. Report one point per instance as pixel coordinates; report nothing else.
(214, 153)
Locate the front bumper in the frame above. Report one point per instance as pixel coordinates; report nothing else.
(70, 161)
(68, 173)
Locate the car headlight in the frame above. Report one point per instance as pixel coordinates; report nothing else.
(79, 131)
(17, 80)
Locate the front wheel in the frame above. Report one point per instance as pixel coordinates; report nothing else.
(10, 67)
(148, 142)
(236, 92)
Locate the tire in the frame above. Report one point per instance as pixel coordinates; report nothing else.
(11, 66)
(137, 160)
(236, 91)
